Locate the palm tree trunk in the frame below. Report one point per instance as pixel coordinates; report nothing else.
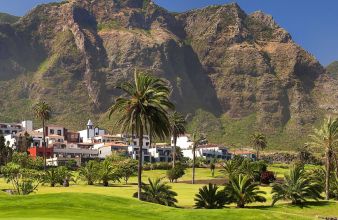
(174, 151)
(193, 163)
(257, 154)
(44, 144)
(140, 163)
(327, 175)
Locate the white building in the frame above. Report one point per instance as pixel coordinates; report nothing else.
(209, 152)
(161, 153)
(87, 136)
(184, 142)
(13, 128)
(109, 148)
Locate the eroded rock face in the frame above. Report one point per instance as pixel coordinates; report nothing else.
(218, 58)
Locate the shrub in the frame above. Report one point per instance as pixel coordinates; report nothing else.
(241, 189)
(298, 186)
(209, 197)
(127, 168)
(158, 192)
(175, 173)
(90, 172)
(267, 177)
(24, 181)
(71, 165)
(108, 172)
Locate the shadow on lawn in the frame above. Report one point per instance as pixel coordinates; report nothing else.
(304, 205)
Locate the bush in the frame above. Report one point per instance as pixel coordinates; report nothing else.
(90, 172)
(209, 197)
(158, 192)
(175, 173)
(24, 181)
(127, 168)
(267, 177)
(157, 166)
(298, 186)
(71, 165)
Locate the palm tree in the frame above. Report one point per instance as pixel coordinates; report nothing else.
(158, 192)
(107, 173)
(259, 142)
(51, 177)
(241, 189)
(197, 140)
(177, 124)
(297, 187)
(326, 137)
(43, 112)
(142, 110)
(90, 172)
(209, 197)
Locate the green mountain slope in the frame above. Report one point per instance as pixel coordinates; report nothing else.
(333, 68)
(7, 18)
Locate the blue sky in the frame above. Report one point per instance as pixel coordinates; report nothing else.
(312, 23)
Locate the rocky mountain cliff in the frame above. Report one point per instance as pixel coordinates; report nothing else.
(244, 70)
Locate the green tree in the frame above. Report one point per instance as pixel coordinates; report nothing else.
(43, 112)
(209, 197)
(90, 172)
(108, 172)
(242, 189)
(158, 192)
(326, 138)
(143, 110)
(5, 152)
(259, 142)
(175, 173)
(212, 168)
(51, 177)
(23, 180)
(177, 128)
(127, 168)
(297, 187)
(197, 139)
(24, 142)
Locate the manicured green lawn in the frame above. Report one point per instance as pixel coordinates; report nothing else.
(80, 201)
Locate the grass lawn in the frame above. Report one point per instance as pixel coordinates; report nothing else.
(80, 201)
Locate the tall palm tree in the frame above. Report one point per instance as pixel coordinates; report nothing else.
(259, 142)
(43, 112)
(143, 110)
(326, 137)
(177, 124)
(197, 140)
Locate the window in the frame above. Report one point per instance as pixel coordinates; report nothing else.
(59, 132)
(51, 131)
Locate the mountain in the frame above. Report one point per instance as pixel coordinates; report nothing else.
(234, 73)
(333, 68)
(7, 18)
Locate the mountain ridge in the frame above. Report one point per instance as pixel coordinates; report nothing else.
(230, 64)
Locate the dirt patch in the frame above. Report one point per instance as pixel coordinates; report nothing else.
(205, 182)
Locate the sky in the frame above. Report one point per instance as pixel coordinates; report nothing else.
(313, 24)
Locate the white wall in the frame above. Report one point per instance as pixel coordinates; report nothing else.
(183, 142)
